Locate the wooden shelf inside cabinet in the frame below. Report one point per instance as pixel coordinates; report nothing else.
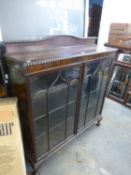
(63, 84)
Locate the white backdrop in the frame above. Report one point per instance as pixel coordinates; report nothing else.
(35, 19)
(113, 11)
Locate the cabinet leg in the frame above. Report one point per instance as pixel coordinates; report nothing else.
(99, 122)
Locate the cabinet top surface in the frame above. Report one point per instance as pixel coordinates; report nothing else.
(54, 54)
(52, 49)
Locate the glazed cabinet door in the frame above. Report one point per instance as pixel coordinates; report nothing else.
(53, 105)
(93, 90)
(121, 77)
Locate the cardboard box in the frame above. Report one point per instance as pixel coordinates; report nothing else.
(120, 33)
(11, 148)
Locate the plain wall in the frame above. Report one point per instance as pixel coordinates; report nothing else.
(118, 11)
(36, 19)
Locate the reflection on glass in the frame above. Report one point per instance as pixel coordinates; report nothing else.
(105, 68)
(40, 126)
(119, 82)
(93, 90)
(57, 96)
(39, 98)
(129, 101)
(53, 101)
(95, 87)
(126, 58)
(90, 92)
(57, 135)
(41, 145)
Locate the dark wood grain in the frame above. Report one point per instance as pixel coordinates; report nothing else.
(29, 61)
(120, 47)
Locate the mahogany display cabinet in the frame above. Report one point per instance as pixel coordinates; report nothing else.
(61, 83)
(120, 80)
(120, 83)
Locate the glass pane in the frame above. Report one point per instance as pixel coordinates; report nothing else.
(57, 135)
(90, 92)
(92, 104)
(70, 126)
(95, 85)
(119, 81)
(128, 93)
(129, 101)
(39, 104)
(71, 74)
(86, 85)
(84, 100)
(41, 145)
(90, 113)
(42, 82)
(82, 118)
(53, 100)
(71, 118)
(57, 96)
(57, 117)
(39, 86)
(73, 90)
(101, 95)
(40, 126)
(71, 109)
(57, 113)
(93, 99)
(105, 68)
(123, 57)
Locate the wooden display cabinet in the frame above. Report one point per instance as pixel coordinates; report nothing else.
(61, 83)
(120, 80)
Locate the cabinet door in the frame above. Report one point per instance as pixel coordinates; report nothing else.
(93, 90)
(105, 70)
(119, 82)
(53, 104)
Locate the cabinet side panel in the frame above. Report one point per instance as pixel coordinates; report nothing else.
(18, 84)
